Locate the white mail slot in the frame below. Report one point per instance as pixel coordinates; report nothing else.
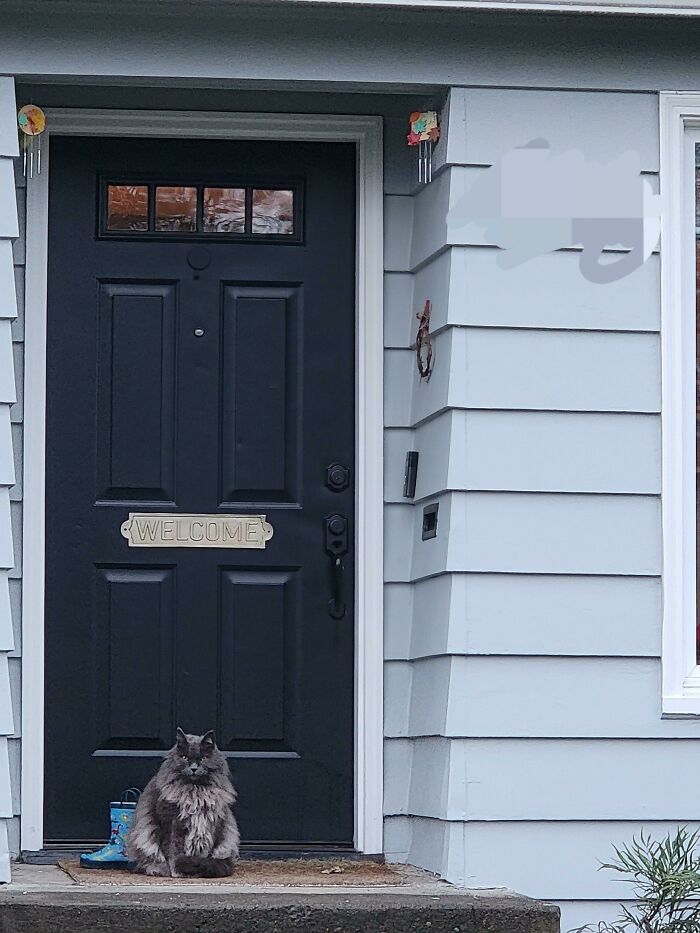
(168, 529)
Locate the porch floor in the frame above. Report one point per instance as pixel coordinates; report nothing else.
(43, 899)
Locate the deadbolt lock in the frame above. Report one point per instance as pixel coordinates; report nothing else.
(337, 477)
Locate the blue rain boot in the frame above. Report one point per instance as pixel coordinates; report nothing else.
(112, 855)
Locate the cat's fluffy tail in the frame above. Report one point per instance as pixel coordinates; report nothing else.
(198, 866)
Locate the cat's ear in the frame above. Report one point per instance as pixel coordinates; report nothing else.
(208, 743)
(182, 743)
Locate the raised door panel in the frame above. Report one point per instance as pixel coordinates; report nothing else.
(133, 635)
(136, 392)
(260, 397)
(258, 664)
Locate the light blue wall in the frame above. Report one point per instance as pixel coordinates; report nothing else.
(524, 734)
(9, 541)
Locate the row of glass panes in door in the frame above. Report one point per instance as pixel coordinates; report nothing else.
(175, 210)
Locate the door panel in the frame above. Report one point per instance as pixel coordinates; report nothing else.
(259, 630)
(199, 373)
(132, 689)
(136, 392)
(260, 393)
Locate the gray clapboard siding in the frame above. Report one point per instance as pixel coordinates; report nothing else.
(419, 778)
(399, 521)
(550, 698)
(8, 298)
(436, 845)
(7, 460)
(6, 550)
(399, 323)
(7, 377)
(555, 452)
(399, 366)
(552, 860)
(550, 370)
(17, 442)
(398, 225)
(398, 760)
(398, 612)
(17, 411)
(511, 780)
(547, 291)
(523, 614)
(16, 522)
(563, 780)
(433, 441)
(601, 126)
(15, 587)
(456, 188)
(529, 697)
(6, 635)
(528, 452)
(576, 914)
(540, 533)
(18, 322)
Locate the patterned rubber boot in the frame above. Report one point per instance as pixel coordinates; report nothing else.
(112, 855)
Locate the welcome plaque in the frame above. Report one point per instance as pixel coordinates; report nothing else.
(168, 529)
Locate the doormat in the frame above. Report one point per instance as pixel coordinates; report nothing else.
(283, 873)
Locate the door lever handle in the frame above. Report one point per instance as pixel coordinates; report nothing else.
(336, 546)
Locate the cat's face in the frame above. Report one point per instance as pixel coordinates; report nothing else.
(193, 755)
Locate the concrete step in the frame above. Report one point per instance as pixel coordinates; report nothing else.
(257, 911)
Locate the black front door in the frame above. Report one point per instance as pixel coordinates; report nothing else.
(201, 363)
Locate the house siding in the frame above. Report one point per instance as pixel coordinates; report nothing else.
(529, 683)
(10, 533)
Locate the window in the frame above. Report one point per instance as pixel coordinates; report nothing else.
(200, 211)
(680, 277)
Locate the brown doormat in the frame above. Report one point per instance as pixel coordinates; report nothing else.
(287, 873)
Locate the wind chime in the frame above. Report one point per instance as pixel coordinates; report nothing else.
(424, 132)
(31, 121)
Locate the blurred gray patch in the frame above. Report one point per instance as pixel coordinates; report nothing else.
(536, 200)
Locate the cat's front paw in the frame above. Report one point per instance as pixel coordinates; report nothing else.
(158, 871)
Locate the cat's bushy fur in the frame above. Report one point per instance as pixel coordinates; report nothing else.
(184, 824)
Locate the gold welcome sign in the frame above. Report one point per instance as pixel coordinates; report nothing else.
(168, 529)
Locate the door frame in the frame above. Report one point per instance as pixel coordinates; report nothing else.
(366, 133)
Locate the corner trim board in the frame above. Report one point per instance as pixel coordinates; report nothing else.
(679, 131)
(366, 133)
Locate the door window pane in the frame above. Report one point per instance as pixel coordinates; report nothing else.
(176, 209)
(127, 207)
(224, 210)
(273, 210)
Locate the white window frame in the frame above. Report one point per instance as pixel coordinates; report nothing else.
(680, 130)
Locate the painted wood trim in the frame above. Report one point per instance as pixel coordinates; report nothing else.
(366, 133)
(679, 129)
(556, 6)
(33, 535)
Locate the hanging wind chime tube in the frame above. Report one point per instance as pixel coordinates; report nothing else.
(31, 122)
(424, 132)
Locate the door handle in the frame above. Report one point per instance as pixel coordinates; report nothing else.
(336, 546)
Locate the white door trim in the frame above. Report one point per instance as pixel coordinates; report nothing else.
(366, 133)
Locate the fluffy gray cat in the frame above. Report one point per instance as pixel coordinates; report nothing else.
(183, 825)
